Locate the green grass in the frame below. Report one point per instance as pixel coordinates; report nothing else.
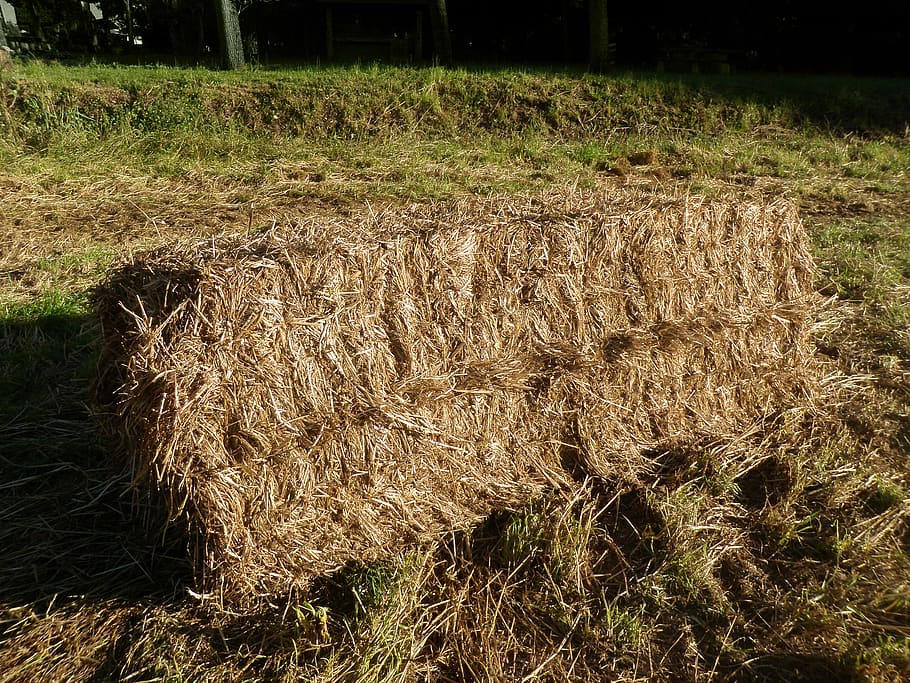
(786, 560)
(154, 116)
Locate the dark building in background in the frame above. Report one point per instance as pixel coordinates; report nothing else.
(343, 31)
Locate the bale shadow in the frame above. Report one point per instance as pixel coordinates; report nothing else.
(808, 667)
(68, 524)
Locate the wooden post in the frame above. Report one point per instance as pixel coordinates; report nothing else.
(439, 20)
(599, 51)
(418, 37)
(329, 34)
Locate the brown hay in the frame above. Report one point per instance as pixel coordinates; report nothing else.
(326, 392)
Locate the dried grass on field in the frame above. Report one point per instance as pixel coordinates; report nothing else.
(326, 392)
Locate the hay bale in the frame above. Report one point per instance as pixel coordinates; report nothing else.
(325, 392)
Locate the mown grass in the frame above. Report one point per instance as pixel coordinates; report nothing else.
(787, 560)
(150, 115)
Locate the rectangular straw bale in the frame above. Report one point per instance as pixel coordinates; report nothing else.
(328, 391)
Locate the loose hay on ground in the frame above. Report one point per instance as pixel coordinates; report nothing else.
(327, 391)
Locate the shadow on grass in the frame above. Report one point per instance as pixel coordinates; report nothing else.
(808, 667)
(839, 104)
(68, 526)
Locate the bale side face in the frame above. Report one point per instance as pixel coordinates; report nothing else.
(322, 394)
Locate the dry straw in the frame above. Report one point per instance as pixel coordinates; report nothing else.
(326, 392)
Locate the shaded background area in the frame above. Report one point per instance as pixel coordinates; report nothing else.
(713, 37)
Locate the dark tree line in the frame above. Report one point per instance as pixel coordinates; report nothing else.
(791, 35)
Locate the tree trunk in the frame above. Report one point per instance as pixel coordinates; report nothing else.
(599, 53)
(442, 40)
(3, 45)
(129, 23)
(229, 34)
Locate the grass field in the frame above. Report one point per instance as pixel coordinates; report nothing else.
(792, 563)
